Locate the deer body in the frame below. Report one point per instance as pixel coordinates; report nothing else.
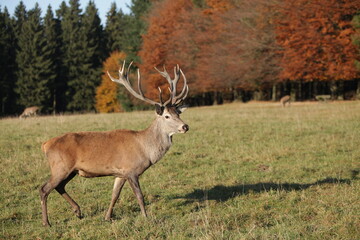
(285, 100)
(30, 111)
(124, 154)
(94, 154)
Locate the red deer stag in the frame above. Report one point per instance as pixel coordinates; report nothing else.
(124, 154)
(285, 100)
(29, 111)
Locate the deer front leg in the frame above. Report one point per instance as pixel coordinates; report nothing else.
(118, 184)
(134, 183)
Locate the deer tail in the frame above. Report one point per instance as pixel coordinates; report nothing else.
(45, 146)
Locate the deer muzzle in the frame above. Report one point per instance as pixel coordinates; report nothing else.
(184, 128)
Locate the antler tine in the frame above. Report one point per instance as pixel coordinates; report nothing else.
(139, 83)
(124, 80)
(160, 96)
(184, 92)
(182, 96)
(170, 98)
(166, 75)
(121, 70)
(172, 82)
(128, 70)
(176, 74)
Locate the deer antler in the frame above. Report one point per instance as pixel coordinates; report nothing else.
(124, 80)
(175, 100)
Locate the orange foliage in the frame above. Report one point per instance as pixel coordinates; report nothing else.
(217, 6)
(233, 47)
(212, 49)
(164, 21)
(316, 39)
(106, 93)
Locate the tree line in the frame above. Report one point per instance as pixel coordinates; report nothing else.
(55, 61)
(229, 50)
(259, 49)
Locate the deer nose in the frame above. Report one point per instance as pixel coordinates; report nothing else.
(185, 127)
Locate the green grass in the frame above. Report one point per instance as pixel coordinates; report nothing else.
(243, 171)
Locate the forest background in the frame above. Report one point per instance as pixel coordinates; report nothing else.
(229, 50)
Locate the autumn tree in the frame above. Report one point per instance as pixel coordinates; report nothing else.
(236, 47)
(110, 96)
(164, 18)
(224, 46)
(107, 92)
(316, 40)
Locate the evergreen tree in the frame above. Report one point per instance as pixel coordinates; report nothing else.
(7, 63)
(82, 54)
(20, 18)
(61, 85)
(72, 51)
(90, 67)
(135, 28)
(33, 66)
(114, 30)
(52, 53)
(60, 13)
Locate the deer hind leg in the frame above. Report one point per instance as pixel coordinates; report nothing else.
(45, 190)
(61, 190)
(118, 184)
(134, 183)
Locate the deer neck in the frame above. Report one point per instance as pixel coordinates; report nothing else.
(157, 142)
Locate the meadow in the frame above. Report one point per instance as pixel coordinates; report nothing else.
(243, 171)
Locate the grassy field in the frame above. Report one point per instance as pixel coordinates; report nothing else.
(243, 171)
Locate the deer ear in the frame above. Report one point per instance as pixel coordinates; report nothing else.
(159, 109)
(181, 109)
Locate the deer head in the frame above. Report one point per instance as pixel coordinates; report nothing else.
(167, 112)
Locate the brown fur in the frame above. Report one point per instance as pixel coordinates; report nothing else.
(285, 99)
(30, 111)
(124, 154)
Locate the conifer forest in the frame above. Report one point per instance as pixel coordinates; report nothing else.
(229, 50)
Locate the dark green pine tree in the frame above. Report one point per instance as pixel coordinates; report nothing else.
(92, 57)
(7, 63)
(52, 53)
(135, 27)
(20, 17)
(72, 52)
(61, 85)
(114, 30)
(60, 13)
(33, 66)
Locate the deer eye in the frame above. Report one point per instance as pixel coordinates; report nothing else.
(167, 116)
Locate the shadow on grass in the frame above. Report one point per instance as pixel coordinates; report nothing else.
(224, 193)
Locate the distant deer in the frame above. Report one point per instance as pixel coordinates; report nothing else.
(285, 100)
(124, 154)
(29, 111)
